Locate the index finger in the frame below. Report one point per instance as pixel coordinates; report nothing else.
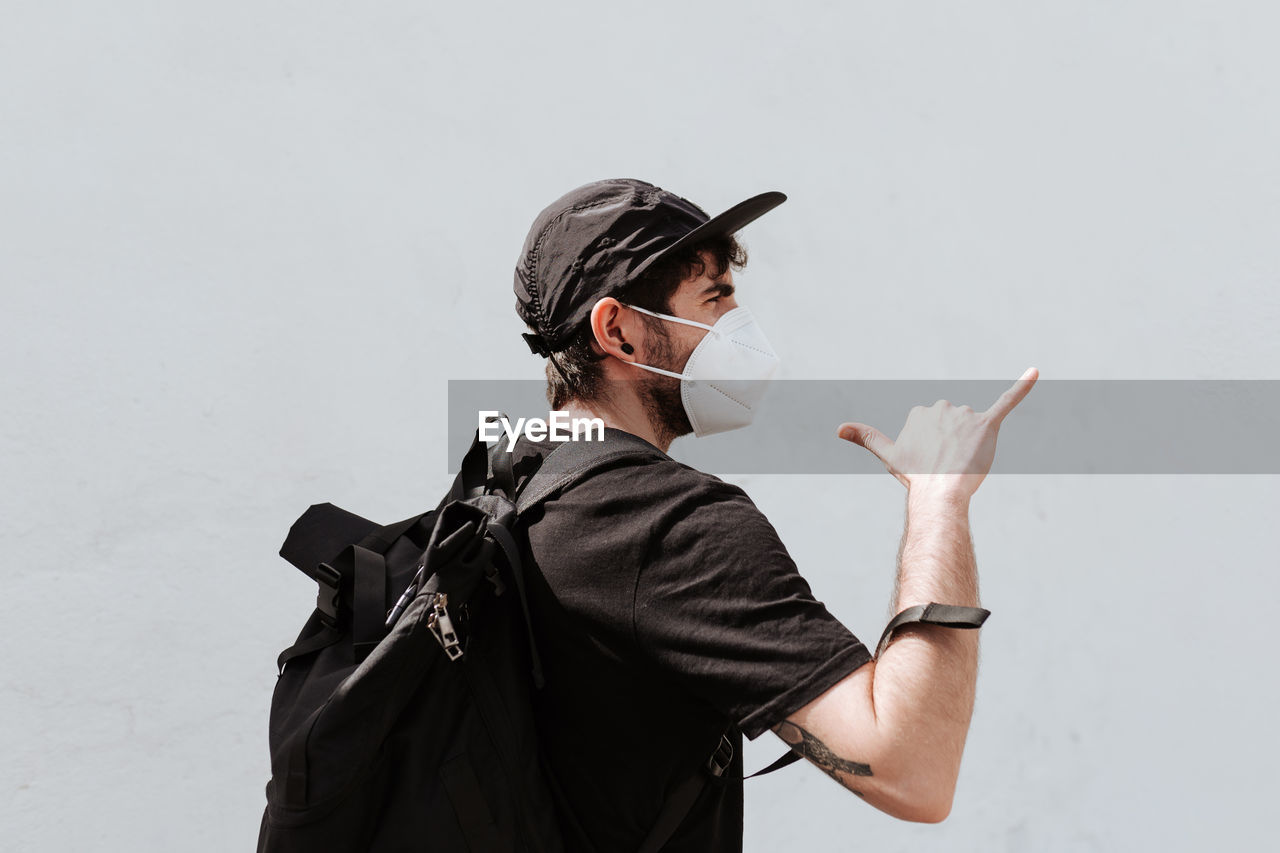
(1003, 406)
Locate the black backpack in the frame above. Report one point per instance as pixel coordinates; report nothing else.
(402, 717)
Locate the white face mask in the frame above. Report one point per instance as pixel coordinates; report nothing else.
(726, 374)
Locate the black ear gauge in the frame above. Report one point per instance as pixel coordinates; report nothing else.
(628, 349)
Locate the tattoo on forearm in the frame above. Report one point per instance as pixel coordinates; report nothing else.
(807, 745)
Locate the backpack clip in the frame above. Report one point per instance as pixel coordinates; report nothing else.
(720, 760)
(329, 580)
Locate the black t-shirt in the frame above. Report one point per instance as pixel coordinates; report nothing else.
(664, 607)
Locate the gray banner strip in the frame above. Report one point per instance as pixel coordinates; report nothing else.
(1091, 426)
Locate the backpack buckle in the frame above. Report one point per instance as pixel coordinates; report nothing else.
(327, 600)
(720, 760)
(442, 627)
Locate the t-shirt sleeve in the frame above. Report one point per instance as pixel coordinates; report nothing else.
(720, 607)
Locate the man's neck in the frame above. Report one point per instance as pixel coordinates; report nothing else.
(628, 418)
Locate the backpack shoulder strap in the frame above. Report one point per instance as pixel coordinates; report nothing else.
(568, 464)
(680, 801)
(563, 466)
(574, 460)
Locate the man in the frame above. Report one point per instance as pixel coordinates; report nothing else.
(664, 606)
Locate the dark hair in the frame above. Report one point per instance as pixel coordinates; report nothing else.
(574, 373)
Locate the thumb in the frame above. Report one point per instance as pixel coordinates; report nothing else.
(867, 436)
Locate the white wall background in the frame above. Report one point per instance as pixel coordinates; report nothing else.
(246, 244)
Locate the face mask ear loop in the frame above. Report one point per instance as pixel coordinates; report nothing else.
(659, 370)
(669, 317)
(656, 370)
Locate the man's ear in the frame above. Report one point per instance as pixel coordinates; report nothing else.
(611, 327)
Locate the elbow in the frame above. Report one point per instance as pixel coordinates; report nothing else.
(918, 808)
(918, 782)
(935, 811)
(920, 797)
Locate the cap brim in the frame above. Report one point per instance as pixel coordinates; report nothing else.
(736, 217)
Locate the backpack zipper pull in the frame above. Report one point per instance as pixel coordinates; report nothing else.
(442, 626)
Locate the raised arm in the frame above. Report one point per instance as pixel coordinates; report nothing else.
(893, 731)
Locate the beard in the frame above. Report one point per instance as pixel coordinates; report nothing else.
(660, 395)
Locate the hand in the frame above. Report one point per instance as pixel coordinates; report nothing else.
(944, 446)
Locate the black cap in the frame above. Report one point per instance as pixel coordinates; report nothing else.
(593, 241)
